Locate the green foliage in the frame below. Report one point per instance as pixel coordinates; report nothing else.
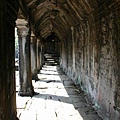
(16, 43)
(16, 40)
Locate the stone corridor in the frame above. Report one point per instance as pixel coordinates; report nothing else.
(56, 98)
(85, 34)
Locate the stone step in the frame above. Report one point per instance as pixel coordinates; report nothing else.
(51, 64)
(51, 59)
(51, 55)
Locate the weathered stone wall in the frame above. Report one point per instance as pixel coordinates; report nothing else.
(97, 58)
(57, 47)
(63, 54)
(8, 16)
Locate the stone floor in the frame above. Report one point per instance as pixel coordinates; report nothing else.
(57, 98)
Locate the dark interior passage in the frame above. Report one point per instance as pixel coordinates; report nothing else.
(52, 44)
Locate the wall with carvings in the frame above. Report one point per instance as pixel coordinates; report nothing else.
(91, 56)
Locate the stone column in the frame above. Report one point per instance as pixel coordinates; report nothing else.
(26, 88)
(42, 61)
(33, 47)
(8, 15)
(38, 55)
(73, 50)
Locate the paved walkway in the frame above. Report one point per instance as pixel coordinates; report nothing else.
(57, 98)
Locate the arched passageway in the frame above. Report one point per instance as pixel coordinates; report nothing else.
(87, 33)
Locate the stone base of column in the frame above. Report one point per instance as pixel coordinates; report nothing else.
(26, 92)
(41, 66)
(16, 118)
(35, 77)
(38, 71)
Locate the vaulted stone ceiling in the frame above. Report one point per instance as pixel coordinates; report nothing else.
(56, 16)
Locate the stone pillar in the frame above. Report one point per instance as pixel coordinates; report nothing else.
(42, 61)
(38, 55)
(26, 88)
(73, 50)
(33, 47)
(8, 14)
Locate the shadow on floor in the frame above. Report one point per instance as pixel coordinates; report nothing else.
(66, 93)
